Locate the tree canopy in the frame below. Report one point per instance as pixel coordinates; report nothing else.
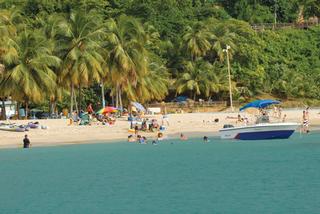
(146, 50)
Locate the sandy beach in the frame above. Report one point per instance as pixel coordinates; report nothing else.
(59, 133)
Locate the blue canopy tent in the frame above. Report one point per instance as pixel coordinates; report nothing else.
(259, 104)
(138, 106)
(180, 99)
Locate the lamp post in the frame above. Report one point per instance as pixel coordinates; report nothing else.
(229, 74)
(275, 14)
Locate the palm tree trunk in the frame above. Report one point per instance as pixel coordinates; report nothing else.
(80, 98)
(18, 108)
(71, 101)
(112, 99)
(75, 101)
(53, 104)
(117, 97)
(3, 109)
(102, 95)
(300, 18)
(27, 109)
(120, 99)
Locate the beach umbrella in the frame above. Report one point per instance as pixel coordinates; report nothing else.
(259, 104)
(138, 106)
(107, 109)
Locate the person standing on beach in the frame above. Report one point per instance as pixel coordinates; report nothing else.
(90, 109)
(305, 122)
(307, 112)
(279, 112)
(136, 130)
(284, 118)
(165, 119)
(26, 142)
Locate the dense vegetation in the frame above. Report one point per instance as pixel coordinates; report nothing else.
(66, 51)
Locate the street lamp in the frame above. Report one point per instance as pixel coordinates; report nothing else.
(229, 73)
(275, 14)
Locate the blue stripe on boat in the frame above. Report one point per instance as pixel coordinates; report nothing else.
(279, 134)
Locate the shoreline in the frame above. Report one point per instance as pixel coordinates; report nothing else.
(190, 124)
(124, 140)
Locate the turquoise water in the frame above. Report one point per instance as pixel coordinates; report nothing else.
(279, 176)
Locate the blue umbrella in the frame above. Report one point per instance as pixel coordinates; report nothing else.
(138, 106)
(259, 104)
(180, 99)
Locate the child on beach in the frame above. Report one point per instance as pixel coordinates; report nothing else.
(160, 136)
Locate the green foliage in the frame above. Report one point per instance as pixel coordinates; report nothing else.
(139, 49)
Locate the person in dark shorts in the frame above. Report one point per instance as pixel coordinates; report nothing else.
(26, 142)
(205, 139)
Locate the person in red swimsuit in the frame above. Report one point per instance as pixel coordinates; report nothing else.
(90, 109)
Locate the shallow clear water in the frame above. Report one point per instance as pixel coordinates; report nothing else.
(278, 176)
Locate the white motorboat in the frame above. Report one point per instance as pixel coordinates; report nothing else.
(259, 131)
(262, 129)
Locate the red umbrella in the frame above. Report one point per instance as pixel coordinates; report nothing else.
(107, 109)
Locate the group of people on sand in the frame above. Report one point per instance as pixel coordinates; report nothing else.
(91, 117)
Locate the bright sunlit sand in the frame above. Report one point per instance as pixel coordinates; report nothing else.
(59, 133)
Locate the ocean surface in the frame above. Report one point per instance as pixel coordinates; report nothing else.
(277, 176)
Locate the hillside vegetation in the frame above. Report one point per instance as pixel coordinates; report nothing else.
(70, 52)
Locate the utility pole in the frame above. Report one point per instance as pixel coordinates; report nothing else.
(229, 75)
(275, 14)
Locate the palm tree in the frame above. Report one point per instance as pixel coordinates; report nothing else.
(196, 78)
(30, 76)
(80, 50)
(50, 27)
(153, 86)
(197, 40)
(303, 5)
(221, 37)
(127, 53)
(9, 20)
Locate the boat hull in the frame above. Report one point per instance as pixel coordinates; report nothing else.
(260, 131)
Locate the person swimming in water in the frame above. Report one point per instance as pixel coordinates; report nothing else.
(183, 137)
(205, 139)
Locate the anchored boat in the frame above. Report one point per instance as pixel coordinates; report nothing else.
(263, 129)
(259, 131)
